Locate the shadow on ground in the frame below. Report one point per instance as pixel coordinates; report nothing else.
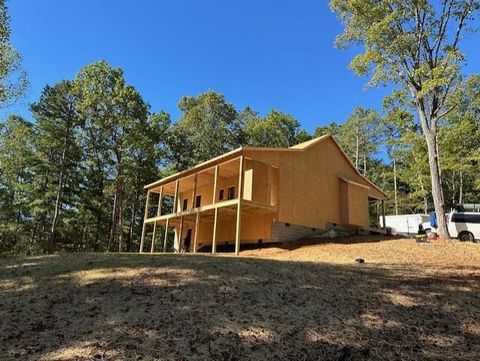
(182, 307)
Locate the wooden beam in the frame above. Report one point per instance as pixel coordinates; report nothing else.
(214, 233)
(154, 237)
(240, 178)
(239, 207)
(165, 236)
(195, 237)
(215, 181)
(238, 227)
(145, 216)
(180, 234)
(194, 191)
(159, 212)
(175, 198)
(160, 198)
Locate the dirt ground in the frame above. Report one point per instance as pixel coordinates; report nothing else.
(407, 302)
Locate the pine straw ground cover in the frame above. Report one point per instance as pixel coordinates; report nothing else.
(408, 302)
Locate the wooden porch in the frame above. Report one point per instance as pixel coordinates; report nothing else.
(186, 189)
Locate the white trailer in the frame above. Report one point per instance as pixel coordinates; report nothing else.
(405, 223)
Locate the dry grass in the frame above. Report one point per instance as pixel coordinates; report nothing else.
(408, 302)
(376, 250)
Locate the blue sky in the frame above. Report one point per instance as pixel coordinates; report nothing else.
(265, 54)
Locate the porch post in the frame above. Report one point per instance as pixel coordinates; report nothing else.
(175, 198)
(214, 235)
(215, 180)
(180, 234)
(165, 236)
(159, 211)
(239, 209)
(194, 191)
(195, 237)
(383, 216)
(145, 216)
(160, 197)
(154, 236)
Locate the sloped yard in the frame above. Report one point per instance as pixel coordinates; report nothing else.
(408, 302)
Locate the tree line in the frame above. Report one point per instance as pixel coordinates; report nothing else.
(72, 178)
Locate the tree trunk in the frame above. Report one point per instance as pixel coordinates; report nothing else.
(120, 216)
(454, 192)
(117, 202)
(357, 147)
(97, 231)
(436, 178)
(132, 215)
(460, 192)
(113, 224)
(395, 186)
(364, 164)
(58, 199)
(130, 227)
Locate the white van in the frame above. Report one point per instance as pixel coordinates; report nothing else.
(464, 225)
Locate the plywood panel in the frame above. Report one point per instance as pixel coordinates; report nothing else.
(248, 180)
(253, 228)
(357, 205)
(309, 189)
(206, 191)
(261, 184)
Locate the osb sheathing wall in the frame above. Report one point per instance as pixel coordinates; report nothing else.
(265, 184)
(260, 185)
(253, 228)
(206, 192)
(357, 205)
(354, 204)
(309, 186)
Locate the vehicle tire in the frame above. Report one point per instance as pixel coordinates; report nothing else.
(466, 236)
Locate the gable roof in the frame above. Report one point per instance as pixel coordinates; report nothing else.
(239, 151)
(308, 143)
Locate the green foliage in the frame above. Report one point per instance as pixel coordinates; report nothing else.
(415, 45)
(13, 79)
(360, 136)
(332, 128)
(17, 163)
(460, 144)
(208, 127)
(277, 130)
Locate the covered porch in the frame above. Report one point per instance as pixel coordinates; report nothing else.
(227, 203)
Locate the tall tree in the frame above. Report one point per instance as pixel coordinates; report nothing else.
(331, 128)
(57, 145)
(460, 144)
(414, 44)
(359, 136)
(276, 130)
(13, 79)
(396, 123)
(208, 127)
(17, 161)
(113, 111)
(144, 161)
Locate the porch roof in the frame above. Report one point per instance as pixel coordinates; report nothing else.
(240, 151)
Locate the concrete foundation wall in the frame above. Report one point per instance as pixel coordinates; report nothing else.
(282, 232)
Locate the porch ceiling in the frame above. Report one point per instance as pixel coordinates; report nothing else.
(204, 177)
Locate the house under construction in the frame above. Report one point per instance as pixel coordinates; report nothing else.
(260, 195)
